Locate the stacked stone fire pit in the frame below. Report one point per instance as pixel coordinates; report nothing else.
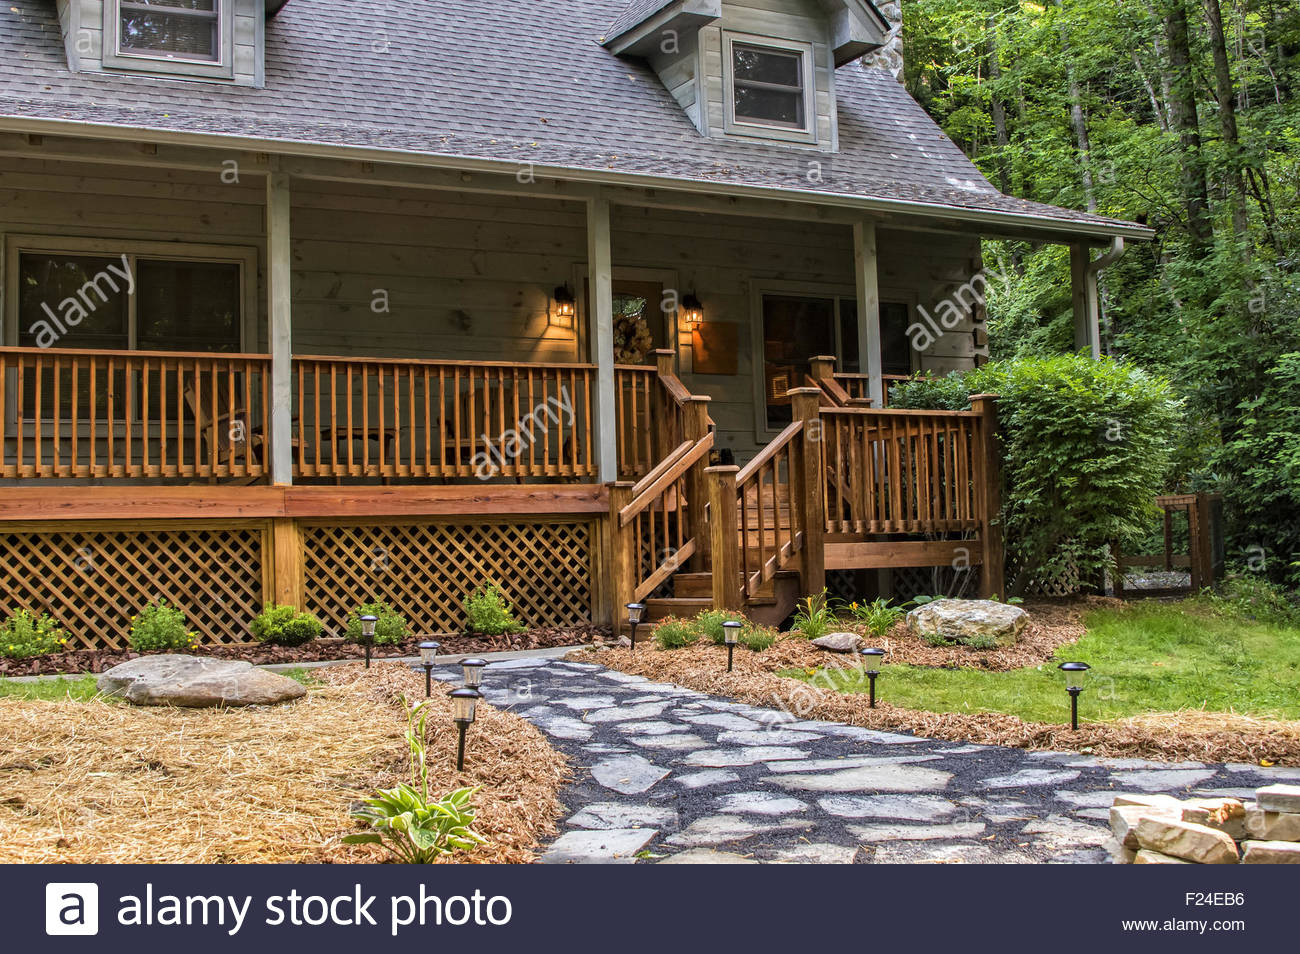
(1163, 830)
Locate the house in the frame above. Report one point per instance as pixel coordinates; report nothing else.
(323, 300)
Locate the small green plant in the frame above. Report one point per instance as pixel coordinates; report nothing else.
(1254, 598)
(488, 614)
(757, 638)
(815, 618)
(878, 616)
(981, 641)
(415, 829)
(934, 639)
(24, 635)
(752, 636)
(675, 633)
(285, 626)
(161, 626)
(390, 627)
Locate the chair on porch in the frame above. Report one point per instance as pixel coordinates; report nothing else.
(223, 428)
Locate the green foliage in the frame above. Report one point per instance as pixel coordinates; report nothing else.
(814, 618)
(487, 613)
(416, 829)
(1253, 598)
(76, 689)
(161, 626)
(390, 627)
(1145, 657)
(285, 626)
(1086, 447)
(673, 633)
(24, 635)
(878, 616)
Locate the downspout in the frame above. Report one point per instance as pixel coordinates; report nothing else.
(1093, 269)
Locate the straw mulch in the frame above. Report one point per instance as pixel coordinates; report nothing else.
(1201, 736)
(1052, 624)
(103, 782)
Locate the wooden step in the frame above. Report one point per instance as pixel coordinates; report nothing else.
(693, 584)
(663, 607)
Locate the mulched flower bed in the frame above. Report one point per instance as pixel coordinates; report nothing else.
(321, 650)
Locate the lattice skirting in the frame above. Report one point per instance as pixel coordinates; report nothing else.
(425, 570)
(94, 580)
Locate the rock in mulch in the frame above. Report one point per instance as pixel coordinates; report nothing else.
(839, 642)
(965, 620)
(197, 682)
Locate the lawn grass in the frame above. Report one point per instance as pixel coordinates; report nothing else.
(1146, 657)
(74, 688)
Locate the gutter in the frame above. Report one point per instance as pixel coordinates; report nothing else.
(1093, 293)
(302, 148)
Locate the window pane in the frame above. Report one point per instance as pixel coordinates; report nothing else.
(794, 331)
(184, 27)
(895, 347)
(84, 294)
(187, 306)
(769, 105)
(767, 66)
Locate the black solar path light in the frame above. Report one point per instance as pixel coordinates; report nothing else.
(428, 653)
(634, 613)
(873, 659)
(368, 634)
(1074, 679)
(730, 636)
(463, 703)
(471, 671)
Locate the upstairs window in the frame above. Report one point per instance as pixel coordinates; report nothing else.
(180, 29)
(767, 86)
(192, 38)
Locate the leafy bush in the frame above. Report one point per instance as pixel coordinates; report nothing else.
(488, 613)
(390, 626)
(673, 633)
(285, 626)
(403, 818)
(160, 626)
(1254, 598)
(878, 616)
(814, 618)
(1086, 447)
(710, 623)
(24, 635)
(757, 638)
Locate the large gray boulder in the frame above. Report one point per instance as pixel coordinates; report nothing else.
(196, 682)
(964, 621)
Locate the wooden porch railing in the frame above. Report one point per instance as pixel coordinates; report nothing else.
(897, 471)
(653, 410)
(386, 417)
(132, 414)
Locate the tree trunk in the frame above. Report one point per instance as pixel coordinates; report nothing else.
(998, 110)
(1182, 84)
(1223, 92)
(1078, 122)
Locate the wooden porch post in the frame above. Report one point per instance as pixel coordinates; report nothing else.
(600, 277)
(724, 533)
(807, 487)
(287, 576)
(868, 282)
(622, 554)
(280, 326)
(1086, 333)
(993, 571)
(696, 422)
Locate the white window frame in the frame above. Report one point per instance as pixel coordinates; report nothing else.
(245, 258)
(171, 63)
(747, 127)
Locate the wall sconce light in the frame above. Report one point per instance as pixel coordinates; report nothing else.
(691, 310)
(564, 309)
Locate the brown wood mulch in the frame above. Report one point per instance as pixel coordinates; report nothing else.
(320, 650)
(100, 782)
(1198, 736)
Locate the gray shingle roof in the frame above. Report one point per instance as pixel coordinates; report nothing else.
(516, 80)
(638, 11)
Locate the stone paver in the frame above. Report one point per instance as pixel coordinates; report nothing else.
(669, 775)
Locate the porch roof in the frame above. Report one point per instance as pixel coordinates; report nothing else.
(524, 82)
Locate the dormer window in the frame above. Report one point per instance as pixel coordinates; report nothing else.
(178, 37)
(175, 29)
(768, 87)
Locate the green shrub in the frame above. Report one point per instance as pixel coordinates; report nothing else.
(487, 613)
(161, 626)
(1086, 447)
(673, 633)
(24, 635)
(285, 626)
(390, 626)
(757, 638)
(878, 616)
(404, 819)
(814, 618)
(1254, 598)
(709, 623)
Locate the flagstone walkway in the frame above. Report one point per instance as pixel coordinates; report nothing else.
(669, 775)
